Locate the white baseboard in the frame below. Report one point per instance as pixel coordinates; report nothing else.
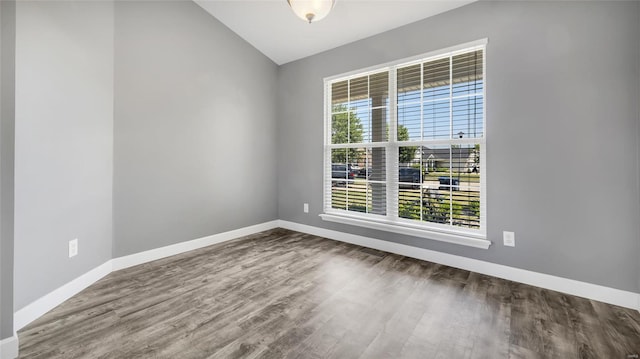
(9, 347)
(159, 253)
(44, 304)
(49, 301)
(581, 289)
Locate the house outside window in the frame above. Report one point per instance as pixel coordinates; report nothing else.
(404, 146)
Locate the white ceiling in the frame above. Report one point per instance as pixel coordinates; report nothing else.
(271, 26)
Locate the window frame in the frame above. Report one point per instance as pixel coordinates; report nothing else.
(390, 222)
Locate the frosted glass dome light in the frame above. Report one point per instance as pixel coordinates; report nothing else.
(311, 10)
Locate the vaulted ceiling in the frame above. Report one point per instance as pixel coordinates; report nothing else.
(272, 28)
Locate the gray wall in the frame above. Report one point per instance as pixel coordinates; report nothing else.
(562, 117)
(7, 125)
(194, 127)
(64, 142)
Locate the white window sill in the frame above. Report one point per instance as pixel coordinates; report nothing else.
(456, 238)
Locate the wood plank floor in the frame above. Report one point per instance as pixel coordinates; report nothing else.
(283, 294)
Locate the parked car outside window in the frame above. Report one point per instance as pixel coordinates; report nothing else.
(409, 174)
(343, 171)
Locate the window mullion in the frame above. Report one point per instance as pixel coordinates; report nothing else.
(369, 135)
(392, 149)
(421, 137)
(348, 111)
(451, 138)
(346, 151)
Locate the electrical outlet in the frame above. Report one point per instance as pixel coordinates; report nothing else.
(509, 239)
(73, 248)
(306, 208)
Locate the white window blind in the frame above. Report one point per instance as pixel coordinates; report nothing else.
(404, 146)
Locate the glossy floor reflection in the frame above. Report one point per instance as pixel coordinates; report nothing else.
(283, 294)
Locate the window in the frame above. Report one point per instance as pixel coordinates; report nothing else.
(405, 147)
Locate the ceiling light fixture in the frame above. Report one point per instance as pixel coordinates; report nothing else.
(311, 10)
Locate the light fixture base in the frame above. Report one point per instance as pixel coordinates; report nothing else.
(310, 17)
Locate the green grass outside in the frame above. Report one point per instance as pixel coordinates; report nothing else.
(464, 177)
(359, 200)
